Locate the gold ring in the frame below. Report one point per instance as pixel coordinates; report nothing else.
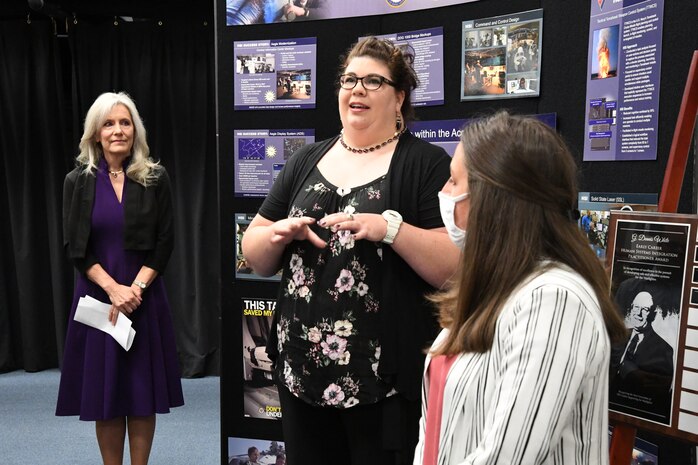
(351, 217)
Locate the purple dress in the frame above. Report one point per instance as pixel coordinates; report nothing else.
(99, 379)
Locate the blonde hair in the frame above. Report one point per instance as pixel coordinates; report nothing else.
(142, 169)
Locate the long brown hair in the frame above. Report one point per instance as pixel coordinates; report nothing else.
(522, 182)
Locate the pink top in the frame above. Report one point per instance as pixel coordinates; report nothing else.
(438, 371)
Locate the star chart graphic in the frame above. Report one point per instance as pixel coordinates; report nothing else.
(251, 149)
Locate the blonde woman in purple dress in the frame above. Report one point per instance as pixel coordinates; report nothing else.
(117, 230)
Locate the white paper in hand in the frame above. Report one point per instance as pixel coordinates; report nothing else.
(94, 313)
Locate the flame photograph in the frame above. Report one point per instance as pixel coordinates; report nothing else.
(606, 49)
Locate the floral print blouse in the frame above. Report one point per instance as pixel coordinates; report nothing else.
(327, 328)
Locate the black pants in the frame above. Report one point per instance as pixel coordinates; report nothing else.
(381, 433)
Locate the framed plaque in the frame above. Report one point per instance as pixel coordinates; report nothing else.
(653, 378)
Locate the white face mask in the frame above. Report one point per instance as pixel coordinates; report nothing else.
(447, 205)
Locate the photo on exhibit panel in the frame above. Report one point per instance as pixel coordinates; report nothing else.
(260, 394)
(293, 84)
(255, 64)
(605, 47)
(261, 451)
(484, 71)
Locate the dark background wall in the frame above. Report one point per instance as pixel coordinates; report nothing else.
(563, 89)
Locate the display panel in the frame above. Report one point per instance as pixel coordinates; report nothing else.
(501, 56)
(260, 154)
(624, 66)
(241, 12)
(427, 46)
(595, 213)
(260, 394)
(275, 74)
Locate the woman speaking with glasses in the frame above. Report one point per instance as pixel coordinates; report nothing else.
(354, 223)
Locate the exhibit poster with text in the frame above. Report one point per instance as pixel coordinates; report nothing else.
(261, 397)
(268, 451)
(595, 212)
(446, 132)
(501, 56)
(275, 74)
(242, 269)
(245, 12)
(260, 154)
(427, 47)
(624, 65)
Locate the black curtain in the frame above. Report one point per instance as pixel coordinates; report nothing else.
(36, 281)
(167, 68)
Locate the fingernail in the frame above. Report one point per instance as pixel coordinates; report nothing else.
(321, 223)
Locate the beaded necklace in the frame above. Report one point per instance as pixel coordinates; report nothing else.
(372, 148)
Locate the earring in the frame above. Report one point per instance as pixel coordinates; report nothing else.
(398, 121)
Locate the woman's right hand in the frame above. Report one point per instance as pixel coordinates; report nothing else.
(264, 242)
(123, 300)
(295, 229)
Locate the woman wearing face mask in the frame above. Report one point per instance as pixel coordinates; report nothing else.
(354, 223)
(519, 374)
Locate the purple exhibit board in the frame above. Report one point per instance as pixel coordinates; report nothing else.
(501, 56)
(427, 45)
(243, 12)
(622, 99)
(446, 132)
(595, 213)
(275, 74)
(261, 153)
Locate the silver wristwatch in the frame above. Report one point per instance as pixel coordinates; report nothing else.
(394, 220)
(140, 284)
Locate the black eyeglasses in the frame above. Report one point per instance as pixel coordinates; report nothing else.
(370, 81)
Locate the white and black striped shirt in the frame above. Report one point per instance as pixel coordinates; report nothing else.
(540, 395)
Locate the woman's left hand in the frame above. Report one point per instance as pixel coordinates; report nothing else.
(369, 226)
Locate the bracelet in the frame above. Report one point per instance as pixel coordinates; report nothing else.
(140, 284)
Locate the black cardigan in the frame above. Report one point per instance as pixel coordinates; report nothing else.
(408, 321)
(147, 219)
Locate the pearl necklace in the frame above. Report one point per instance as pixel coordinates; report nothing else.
(115, 173)
(375, 147)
